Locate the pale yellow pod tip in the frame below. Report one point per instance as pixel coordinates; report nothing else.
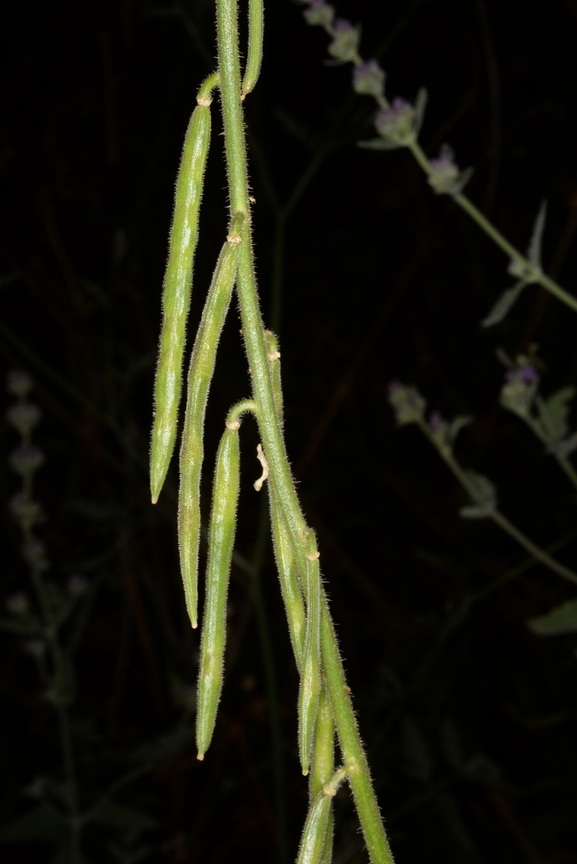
(306, 773)
(200, 757)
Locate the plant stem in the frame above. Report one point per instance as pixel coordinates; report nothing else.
(496, 516)
(230, 86)
(268, 663)
(59, 697)
(496, 236)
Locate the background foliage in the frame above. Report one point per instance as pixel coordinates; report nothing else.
(469, 720)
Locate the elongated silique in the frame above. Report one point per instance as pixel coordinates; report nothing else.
(220, 547)
(288, 576)
(315, 830)
(310, 681)
(176, 293)
(200, 374)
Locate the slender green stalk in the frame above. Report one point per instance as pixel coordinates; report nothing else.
(255, 39)
(564, 463)
(496, 516)
(534, 550)
(412, 144)
(57, 684)
(350, 744)
(229, 70)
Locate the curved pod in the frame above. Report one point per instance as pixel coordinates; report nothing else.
(220, 548)
(310, 680)
(176, 294)
(315, 830)
(200, 374)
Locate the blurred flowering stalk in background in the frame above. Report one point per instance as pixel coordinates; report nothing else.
(370, 268)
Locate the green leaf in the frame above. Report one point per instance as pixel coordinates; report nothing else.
(564, 448)
(455, 427)
(505, 302)
(554, 412)
(484, 491)
(562, 619)
(420, 105)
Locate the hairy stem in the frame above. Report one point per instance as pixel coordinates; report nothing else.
(273, 443)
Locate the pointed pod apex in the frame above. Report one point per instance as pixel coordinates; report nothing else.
(154, 499)
(194, 624)
(306, 773)
(200, 757)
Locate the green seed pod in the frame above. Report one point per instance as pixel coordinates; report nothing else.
(255, 33)
(220, 547)
(199, 377)
(310, 681)
(322, 766)
(176, 293)
(288, 576)
(315, 830)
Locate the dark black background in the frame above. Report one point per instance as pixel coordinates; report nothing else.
(468, 719)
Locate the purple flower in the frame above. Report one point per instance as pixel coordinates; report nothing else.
(26, 459)
(369, 79)
(406, 402)
(528, 373)
(446, 179)
(24, 416)
(445, 172)
(345, 44)
(34, 552)
(437, 422)
(19, 382)
(25, 510)
(17, 604)
(523, 375)
(396, 124)
(319, 13)
(520, 388)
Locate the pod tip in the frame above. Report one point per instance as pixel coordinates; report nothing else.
(194, 624)
(154, 499)
(200, 757)
(305, 773)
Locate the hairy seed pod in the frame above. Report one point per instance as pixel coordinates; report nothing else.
(315, 829)
(176, 294)
(288, 576)
(254, 59)
(322, 765)
(220, 547)
(310, 681)
(200, 374)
